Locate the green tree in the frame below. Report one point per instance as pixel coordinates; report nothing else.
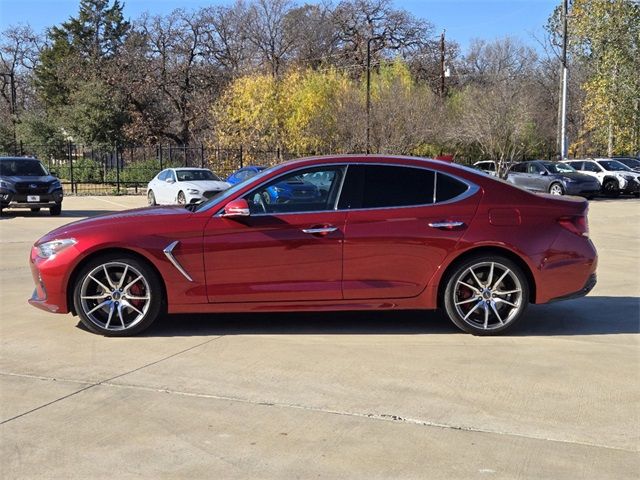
(74, 70)
(606, 34)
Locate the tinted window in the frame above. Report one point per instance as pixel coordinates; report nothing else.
(28, 168)
(162, 175)
(448, 187)
(297, 192)
(557, 167)
(590, 167)
(535, 169)
(378, 186)
(171, 174)
(519, 168)
(613, 166)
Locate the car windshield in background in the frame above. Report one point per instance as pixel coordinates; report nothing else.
(558, 167)
(22, 168)
(230, 191)
(613, 166)
(195, 175)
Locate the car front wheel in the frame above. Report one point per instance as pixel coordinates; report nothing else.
(486, 295)
(117, 295)
(151, 198)
(55, 210)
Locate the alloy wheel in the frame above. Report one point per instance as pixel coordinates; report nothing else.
(115, 296)
(488, 296)
(556, 189)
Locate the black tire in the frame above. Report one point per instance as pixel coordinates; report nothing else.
(477, 304)
(151, 198)
(182, 200)
(610, 188)
(127, 320)
(55, 210)
(35, 209)
(556, 188)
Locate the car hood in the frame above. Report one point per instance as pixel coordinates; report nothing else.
(28, 178)
(206, 185)
(117, 220)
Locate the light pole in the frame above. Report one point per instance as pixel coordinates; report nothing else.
(563, 108)
(371, 39)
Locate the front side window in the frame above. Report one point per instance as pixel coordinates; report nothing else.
(556, 167)
(591, 167)
(535, 169)
(298, 192)
(171, 175)
(614, 166)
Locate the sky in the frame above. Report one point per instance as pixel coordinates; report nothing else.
(463, 20)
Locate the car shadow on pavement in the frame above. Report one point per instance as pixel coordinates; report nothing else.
(587, 316)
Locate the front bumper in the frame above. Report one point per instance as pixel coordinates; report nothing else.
(10, 199)
(582, 189)
(50, 277)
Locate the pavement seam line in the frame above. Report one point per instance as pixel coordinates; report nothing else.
(106, 381)
(370, 416)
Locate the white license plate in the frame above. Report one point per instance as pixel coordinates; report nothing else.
(33, 198)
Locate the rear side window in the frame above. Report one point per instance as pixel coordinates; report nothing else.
(380, 186)
(519, 168)
(448, 187)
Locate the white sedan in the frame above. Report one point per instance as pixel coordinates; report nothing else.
(184, 186)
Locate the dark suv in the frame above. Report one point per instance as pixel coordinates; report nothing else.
(25, 183)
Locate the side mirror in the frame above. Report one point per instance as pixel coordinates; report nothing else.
(170, 180)
(53, 173)
(544, 172)
(237, 208)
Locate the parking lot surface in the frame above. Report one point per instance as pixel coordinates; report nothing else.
(349, 395)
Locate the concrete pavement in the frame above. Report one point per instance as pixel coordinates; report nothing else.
(391, 395)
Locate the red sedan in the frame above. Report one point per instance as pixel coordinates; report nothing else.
(365, 233)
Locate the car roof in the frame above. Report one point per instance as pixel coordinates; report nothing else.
(17, 158)
(188, 168)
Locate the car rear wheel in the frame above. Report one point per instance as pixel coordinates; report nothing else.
(55, 210)
(151, 198)
(556, 189)
(117, 295)
(486, 295)
(181, 198)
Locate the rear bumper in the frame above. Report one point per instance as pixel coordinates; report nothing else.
(591, 282)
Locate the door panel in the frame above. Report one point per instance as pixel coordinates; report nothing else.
(270, 258)
(393, 253)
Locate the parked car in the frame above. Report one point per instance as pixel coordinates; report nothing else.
(614, 177)
(392, 233)
(555, 178)
(487, 166)
(632, 163)
(26, 183)
(184, 186)
(244, 174)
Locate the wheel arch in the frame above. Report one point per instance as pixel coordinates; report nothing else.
(486, 250)
(113, 250)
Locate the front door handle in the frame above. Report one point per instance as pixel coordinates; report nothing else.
(447, 224)
(324, 230)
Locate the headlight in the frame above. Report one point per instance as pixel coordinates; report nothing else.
(49, 249)
(55, 185)
(193, 191)
(5, 184)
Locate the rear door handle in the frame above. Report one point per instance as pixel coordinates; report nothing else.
(320, 230)
(446, 224)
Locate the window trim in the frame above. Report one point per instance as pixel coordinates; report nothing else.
(471, 190)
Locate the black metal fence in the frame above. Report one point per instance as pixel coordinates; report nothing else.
(84, 169)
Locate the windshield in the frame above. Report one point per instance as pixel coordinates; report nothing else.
(613, 166)
(195, 175)
(555, 167)
(22, 168)
(231, 191)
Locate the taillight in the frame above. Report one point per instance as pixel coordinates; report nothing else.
(575, 224)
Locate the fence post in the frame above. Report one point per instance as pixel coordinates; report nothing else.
(160, 150)
(202, 155)
(241, 163)
(21, 150)
(115, 152)
(170, 155)
(70, 159)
